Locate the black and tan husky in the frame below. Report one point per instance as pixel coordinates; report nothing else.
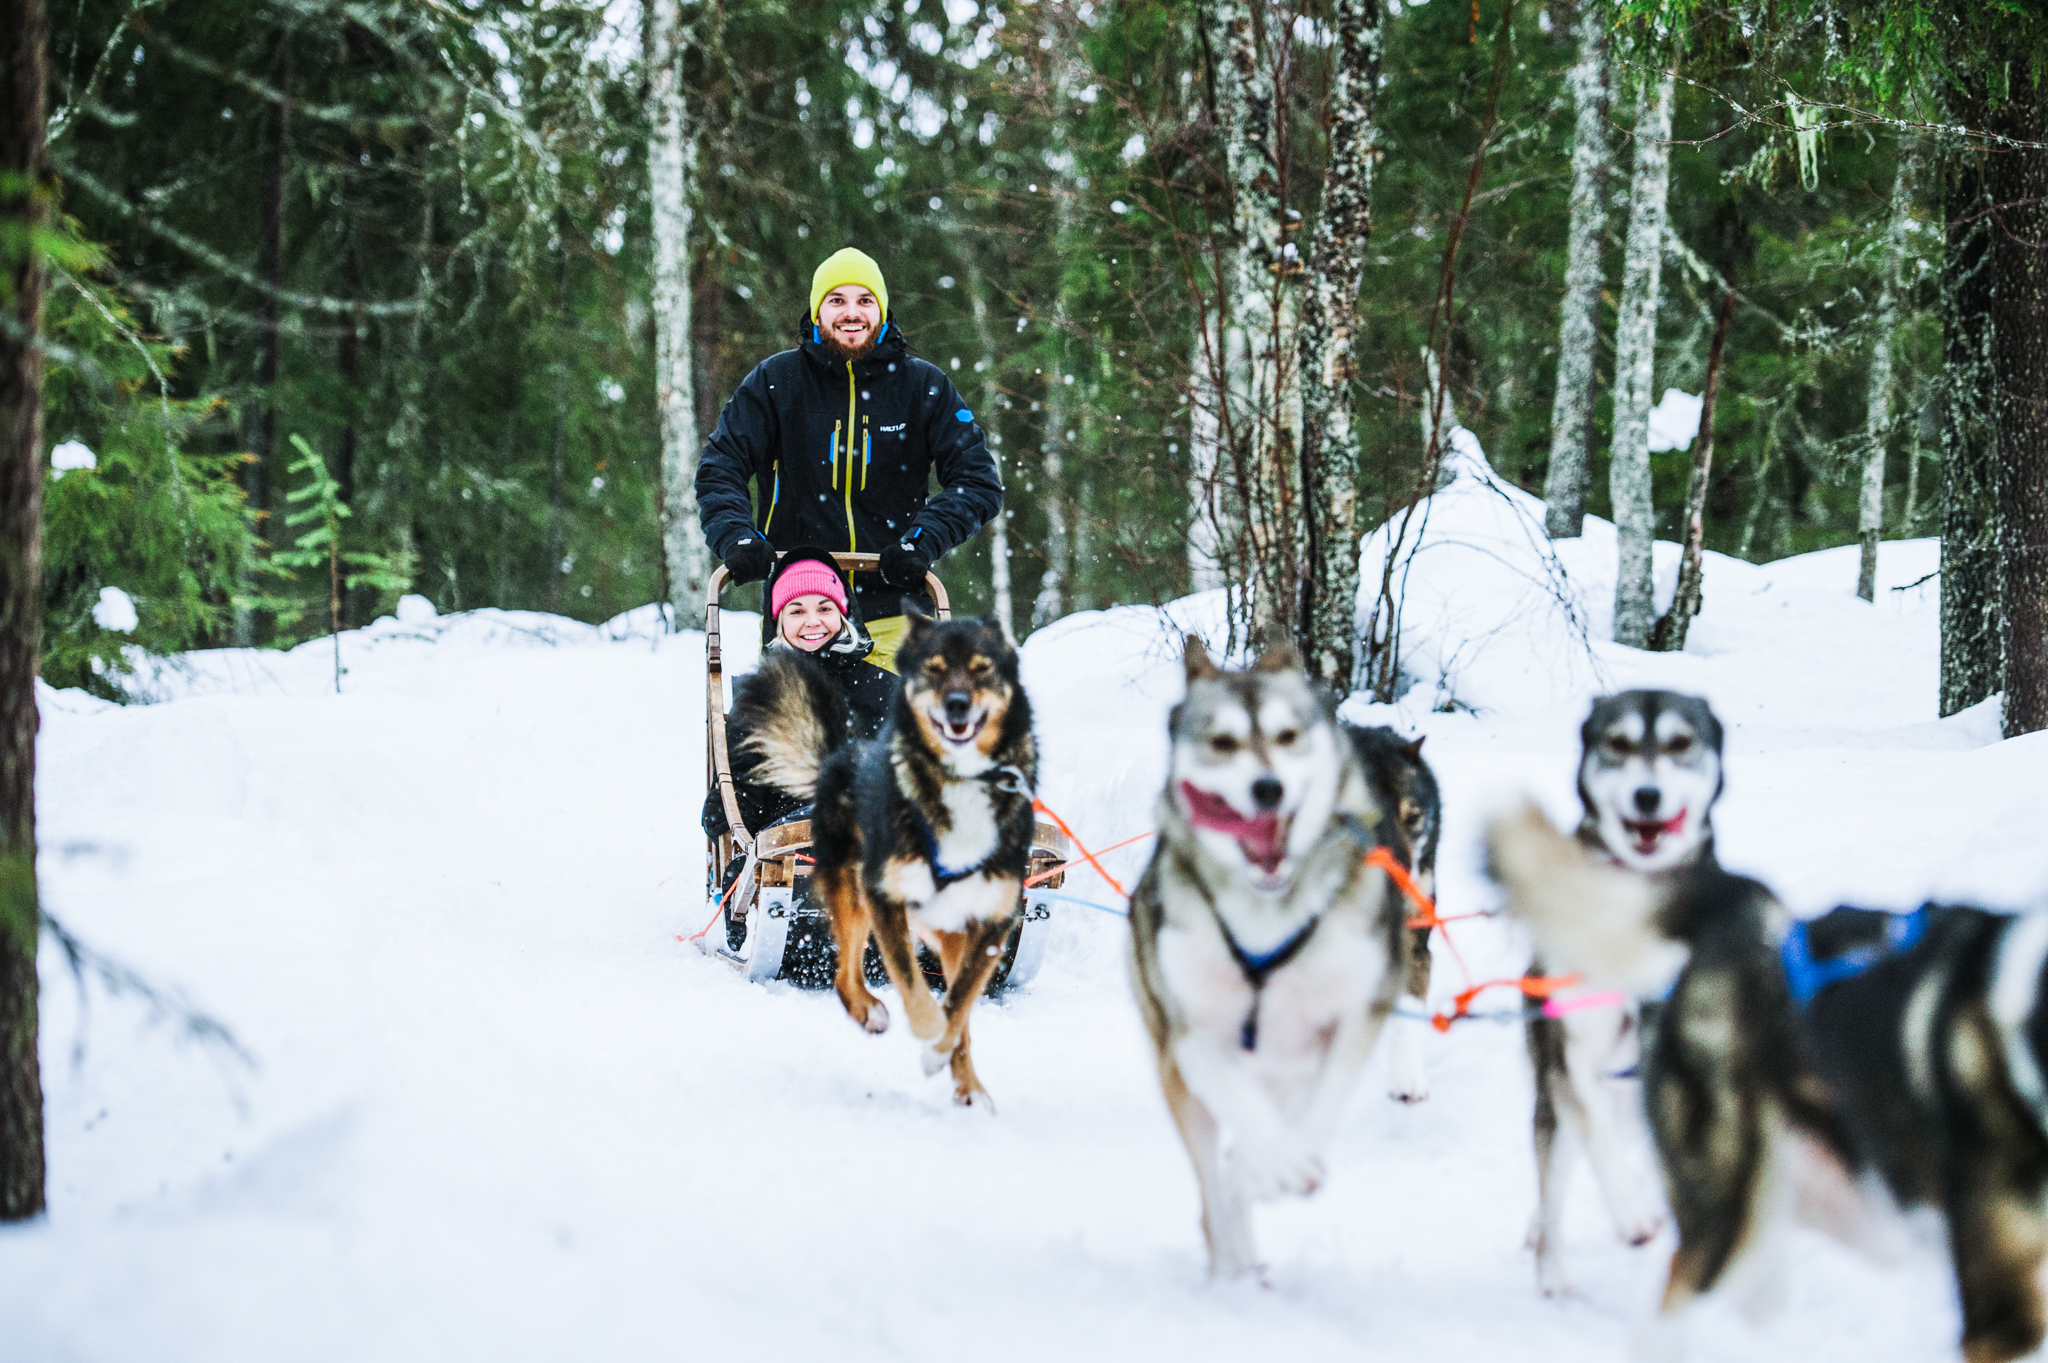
(924, 834)
(1265, 951)
(1824, 1070)
(1404, 785)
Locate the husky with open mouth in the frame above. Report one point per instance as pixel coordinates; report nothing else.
(1265, 951)
(924, 835)
(1828, 1072)
(1649, 773)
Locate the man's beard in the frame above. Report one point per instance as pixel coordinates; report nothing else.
(850, 353)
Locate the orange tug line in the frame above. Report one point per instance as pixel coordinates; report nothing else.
(1531, 986)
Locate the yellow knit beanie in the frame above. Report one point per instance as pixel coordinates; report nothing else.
(849, 266)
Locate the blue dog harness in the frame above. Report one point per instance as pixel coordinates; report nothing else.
(1807, 976)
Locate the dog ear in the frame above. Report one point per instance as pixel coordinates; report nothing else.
(1279, 655)
(917, 621)
(1195, 659)
(1412, 750)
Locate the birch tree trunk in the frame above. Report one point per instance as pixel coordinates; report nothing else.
(1972, 662)
(1578, 331)
(1669, 636)
(23, 174)
(1878, 419)
(1635, 343)
(991, 393)
(1052, 582)
(1328, 638)
(2019, 263)
(1209, 525)
(1071, 75)
(1253, 417)
(686, 559)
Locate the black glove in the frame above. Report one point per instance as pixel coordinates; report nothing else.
(750, 558)
(904, 566)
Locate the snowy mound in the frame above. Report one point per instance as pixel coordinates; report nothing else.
(1493, 617)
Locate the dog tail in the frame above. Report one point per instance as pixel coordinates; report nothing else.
(792, 719)
(1588, 917)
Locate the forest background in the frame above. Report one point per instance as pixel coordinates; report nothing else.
(423, 240)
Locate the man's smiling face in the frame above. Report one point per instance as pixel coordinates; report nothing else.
(850, 317)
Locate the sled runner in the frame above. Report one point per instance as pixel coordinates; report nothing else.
(770, 928)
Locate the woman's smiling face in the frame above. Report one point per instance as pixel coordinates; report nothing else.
(809, 622)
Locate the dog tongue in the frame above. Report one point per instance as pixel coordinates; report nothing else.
(1259, 837)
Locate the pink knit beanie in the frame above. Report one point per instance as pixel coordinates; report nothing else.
(806, 577)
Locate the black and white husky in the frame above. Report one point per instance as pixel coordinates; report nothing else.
(1265, 952)
(1649, 773)
(1819, 1070)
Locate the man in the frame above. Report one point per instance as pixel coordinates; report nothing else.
(840, 438)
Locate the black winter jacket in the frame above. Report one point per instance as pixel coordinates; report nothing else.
(841, 454)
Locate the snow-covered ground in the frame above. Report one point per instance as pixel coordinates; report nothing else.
(498, 1110)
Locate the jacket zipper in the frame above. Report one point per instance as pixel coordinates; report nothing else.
(851, 546)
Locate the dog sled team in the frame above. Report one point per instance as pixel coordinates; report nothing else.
(1691, 1043)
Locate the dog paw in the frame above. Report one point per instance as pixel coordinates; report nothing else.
(1551, 1279)
(1639, 1225)
(1409, 1088)
(877, 1020)
(974, 1096)
(1228, 1266)
(933, 1058)
(1407, 1075)
(1275, 1169)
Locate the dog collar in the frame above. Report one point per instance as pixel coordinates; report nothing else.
(1807, 976)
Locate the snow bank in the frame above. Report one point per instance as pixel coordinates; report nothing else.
(1496, 618)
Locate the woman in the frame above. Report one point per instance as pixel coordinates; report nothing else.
(808, 605)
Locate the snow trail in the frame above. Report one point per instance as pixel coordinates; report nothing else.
(501, 1111)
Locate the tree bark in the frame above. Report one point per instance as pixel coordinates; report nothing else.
(1209, 525)
(1635, 342)
(991, 394)
(686, 559)
(348, 368)
(1878, 418)
(24, 194)
(1327, 639)
(558, 457)
(1669, 636)
(1578, 331)
(2019, 265)
(1255, 329)
(1046, 608)
(1972, 663)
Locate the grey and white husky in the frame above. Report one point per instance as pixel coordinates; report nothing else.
(1649, 773)
(1265, 952)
